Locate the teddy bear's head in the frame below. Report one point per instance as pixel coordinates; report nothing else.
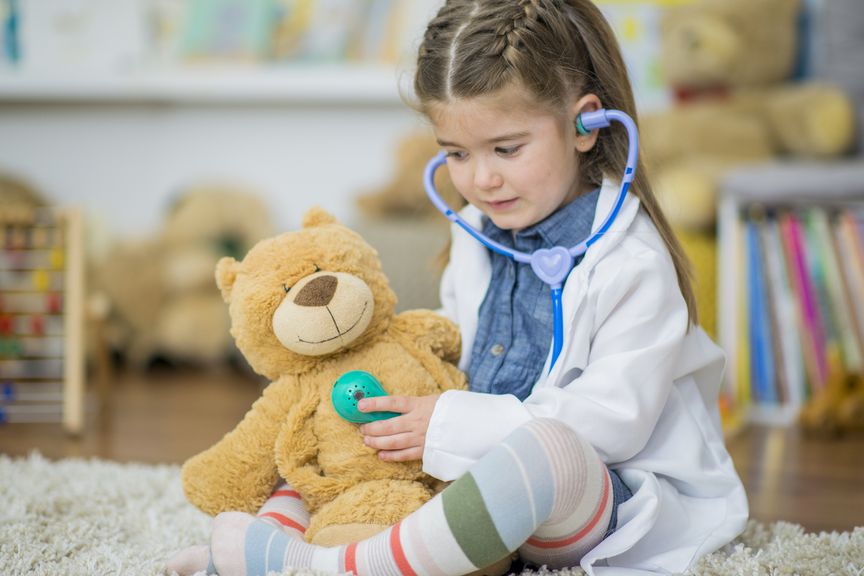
(305, 294)
(729, 43)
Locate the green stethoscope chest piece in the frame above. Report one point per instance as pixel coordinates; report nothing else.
(352, 387)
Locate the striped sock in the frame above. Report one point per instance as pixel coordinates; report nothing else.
(543, 485)
(286, 510)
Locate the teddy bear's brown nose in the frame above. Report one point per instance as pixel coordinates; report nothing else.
(318, 292)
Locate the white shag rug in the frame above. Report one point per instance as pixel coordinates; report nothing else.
(93, 517)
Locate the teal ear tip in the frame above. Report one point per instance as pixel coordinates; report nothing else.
(580, 128)
(349, 389)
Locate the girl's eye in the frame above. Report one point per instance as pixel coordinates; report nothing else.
(456, 155)
(507, 150)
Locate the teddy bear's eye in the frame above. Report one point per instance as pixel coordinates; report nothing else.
(286, 288)
(317, 269)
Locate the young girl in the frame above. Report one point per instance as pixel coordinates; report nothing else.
(614, 458)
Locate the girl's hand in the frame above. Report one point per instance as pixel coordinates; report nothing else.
(401, 438)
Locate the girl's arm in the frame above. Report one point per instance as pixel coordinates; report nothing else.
(639, 325)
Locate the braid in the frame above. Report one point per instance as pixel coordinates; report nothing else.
(510, 34)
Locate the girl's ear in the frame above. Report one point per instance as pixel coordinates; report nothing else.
(587, 103)
(226, 275)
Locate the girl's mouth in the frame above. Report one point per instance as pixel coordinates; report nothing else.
(502, 205)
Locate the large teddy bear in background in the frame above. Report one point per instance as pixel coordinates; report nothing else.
(730, 63)
(306, 307)
(159, 290)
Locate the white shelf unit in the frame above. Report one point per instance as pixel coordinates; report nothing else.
(780, 185)
(355, 84)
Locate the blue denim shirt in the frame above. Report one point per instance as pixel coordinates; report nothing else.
(514, 330)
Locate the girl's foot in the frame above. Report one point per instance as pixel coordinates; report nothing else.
(189, 561)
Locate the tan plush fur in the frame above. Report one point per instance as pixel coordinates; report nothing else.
(735, 58)
(293, 431)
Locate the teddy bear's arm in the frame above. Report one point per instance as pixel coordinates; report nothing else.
(239, 471)
(429, 329)
(297, 454)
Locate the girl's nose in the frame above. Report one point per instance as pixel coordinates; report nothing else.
(485, 177)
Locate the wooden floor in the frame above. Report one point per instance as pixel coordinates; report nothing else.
(167, 416)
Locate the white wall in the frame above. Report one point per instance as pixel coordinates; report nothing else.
(123, 161)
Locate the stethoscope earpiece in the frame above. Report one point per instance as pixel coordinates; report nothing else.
(580, 128)
(554, 264)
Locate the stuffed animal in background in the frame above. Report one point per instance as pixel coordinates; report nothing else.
(404, 196)
(18, 199)
(159, 290)
(730, 62)
(306, 307)
(205, 224)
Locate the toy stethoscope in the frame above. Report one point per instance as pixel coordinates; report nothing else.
(551, 265)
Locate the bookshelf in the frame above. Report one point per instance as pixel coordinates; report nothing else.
(791, 313)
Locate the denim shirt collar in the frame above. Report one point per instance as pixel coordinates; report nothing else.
(566, 227)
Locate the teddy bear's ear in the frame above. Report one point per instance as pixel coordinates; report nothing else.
(317, 216)
(226, 274)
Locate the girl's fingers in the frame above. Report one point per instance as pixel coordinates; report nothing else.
(387, 427)
(394, 442)
(406, 455)
(399, 404)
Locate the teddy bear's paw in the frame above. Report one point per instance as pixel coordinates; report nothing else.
(340, 534)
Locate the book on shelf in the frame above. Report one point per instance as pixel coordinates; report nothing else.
(762, 373)
(235, 30)
(851, 266)
(788, 350)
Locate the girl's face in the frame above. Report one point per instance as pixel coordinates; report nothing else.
(516, 163)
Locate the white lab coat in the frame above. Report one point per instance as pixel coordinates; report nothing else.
(631, 379)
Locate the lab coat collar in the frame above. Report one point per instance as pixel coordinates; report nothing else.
(613, 236)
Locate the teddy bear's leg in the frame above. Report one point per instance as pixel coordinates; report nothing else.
(365, 510)
(285, 509)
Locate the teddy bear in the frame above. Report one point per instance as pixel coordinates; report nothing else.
(730, 63)
(306, 307)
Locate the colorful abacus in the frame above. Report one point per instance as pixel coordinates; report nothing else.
(41, 318)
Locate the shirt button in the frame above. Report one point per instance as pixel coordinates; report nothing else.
(497, 350)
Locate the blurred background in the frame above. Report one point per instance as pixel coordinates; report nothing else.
(142, 140)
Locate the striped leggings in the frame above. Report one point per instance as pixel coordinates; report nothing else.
(543, 492)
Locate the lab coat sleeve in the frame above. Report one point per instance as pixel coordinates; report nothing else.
(640, 320)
